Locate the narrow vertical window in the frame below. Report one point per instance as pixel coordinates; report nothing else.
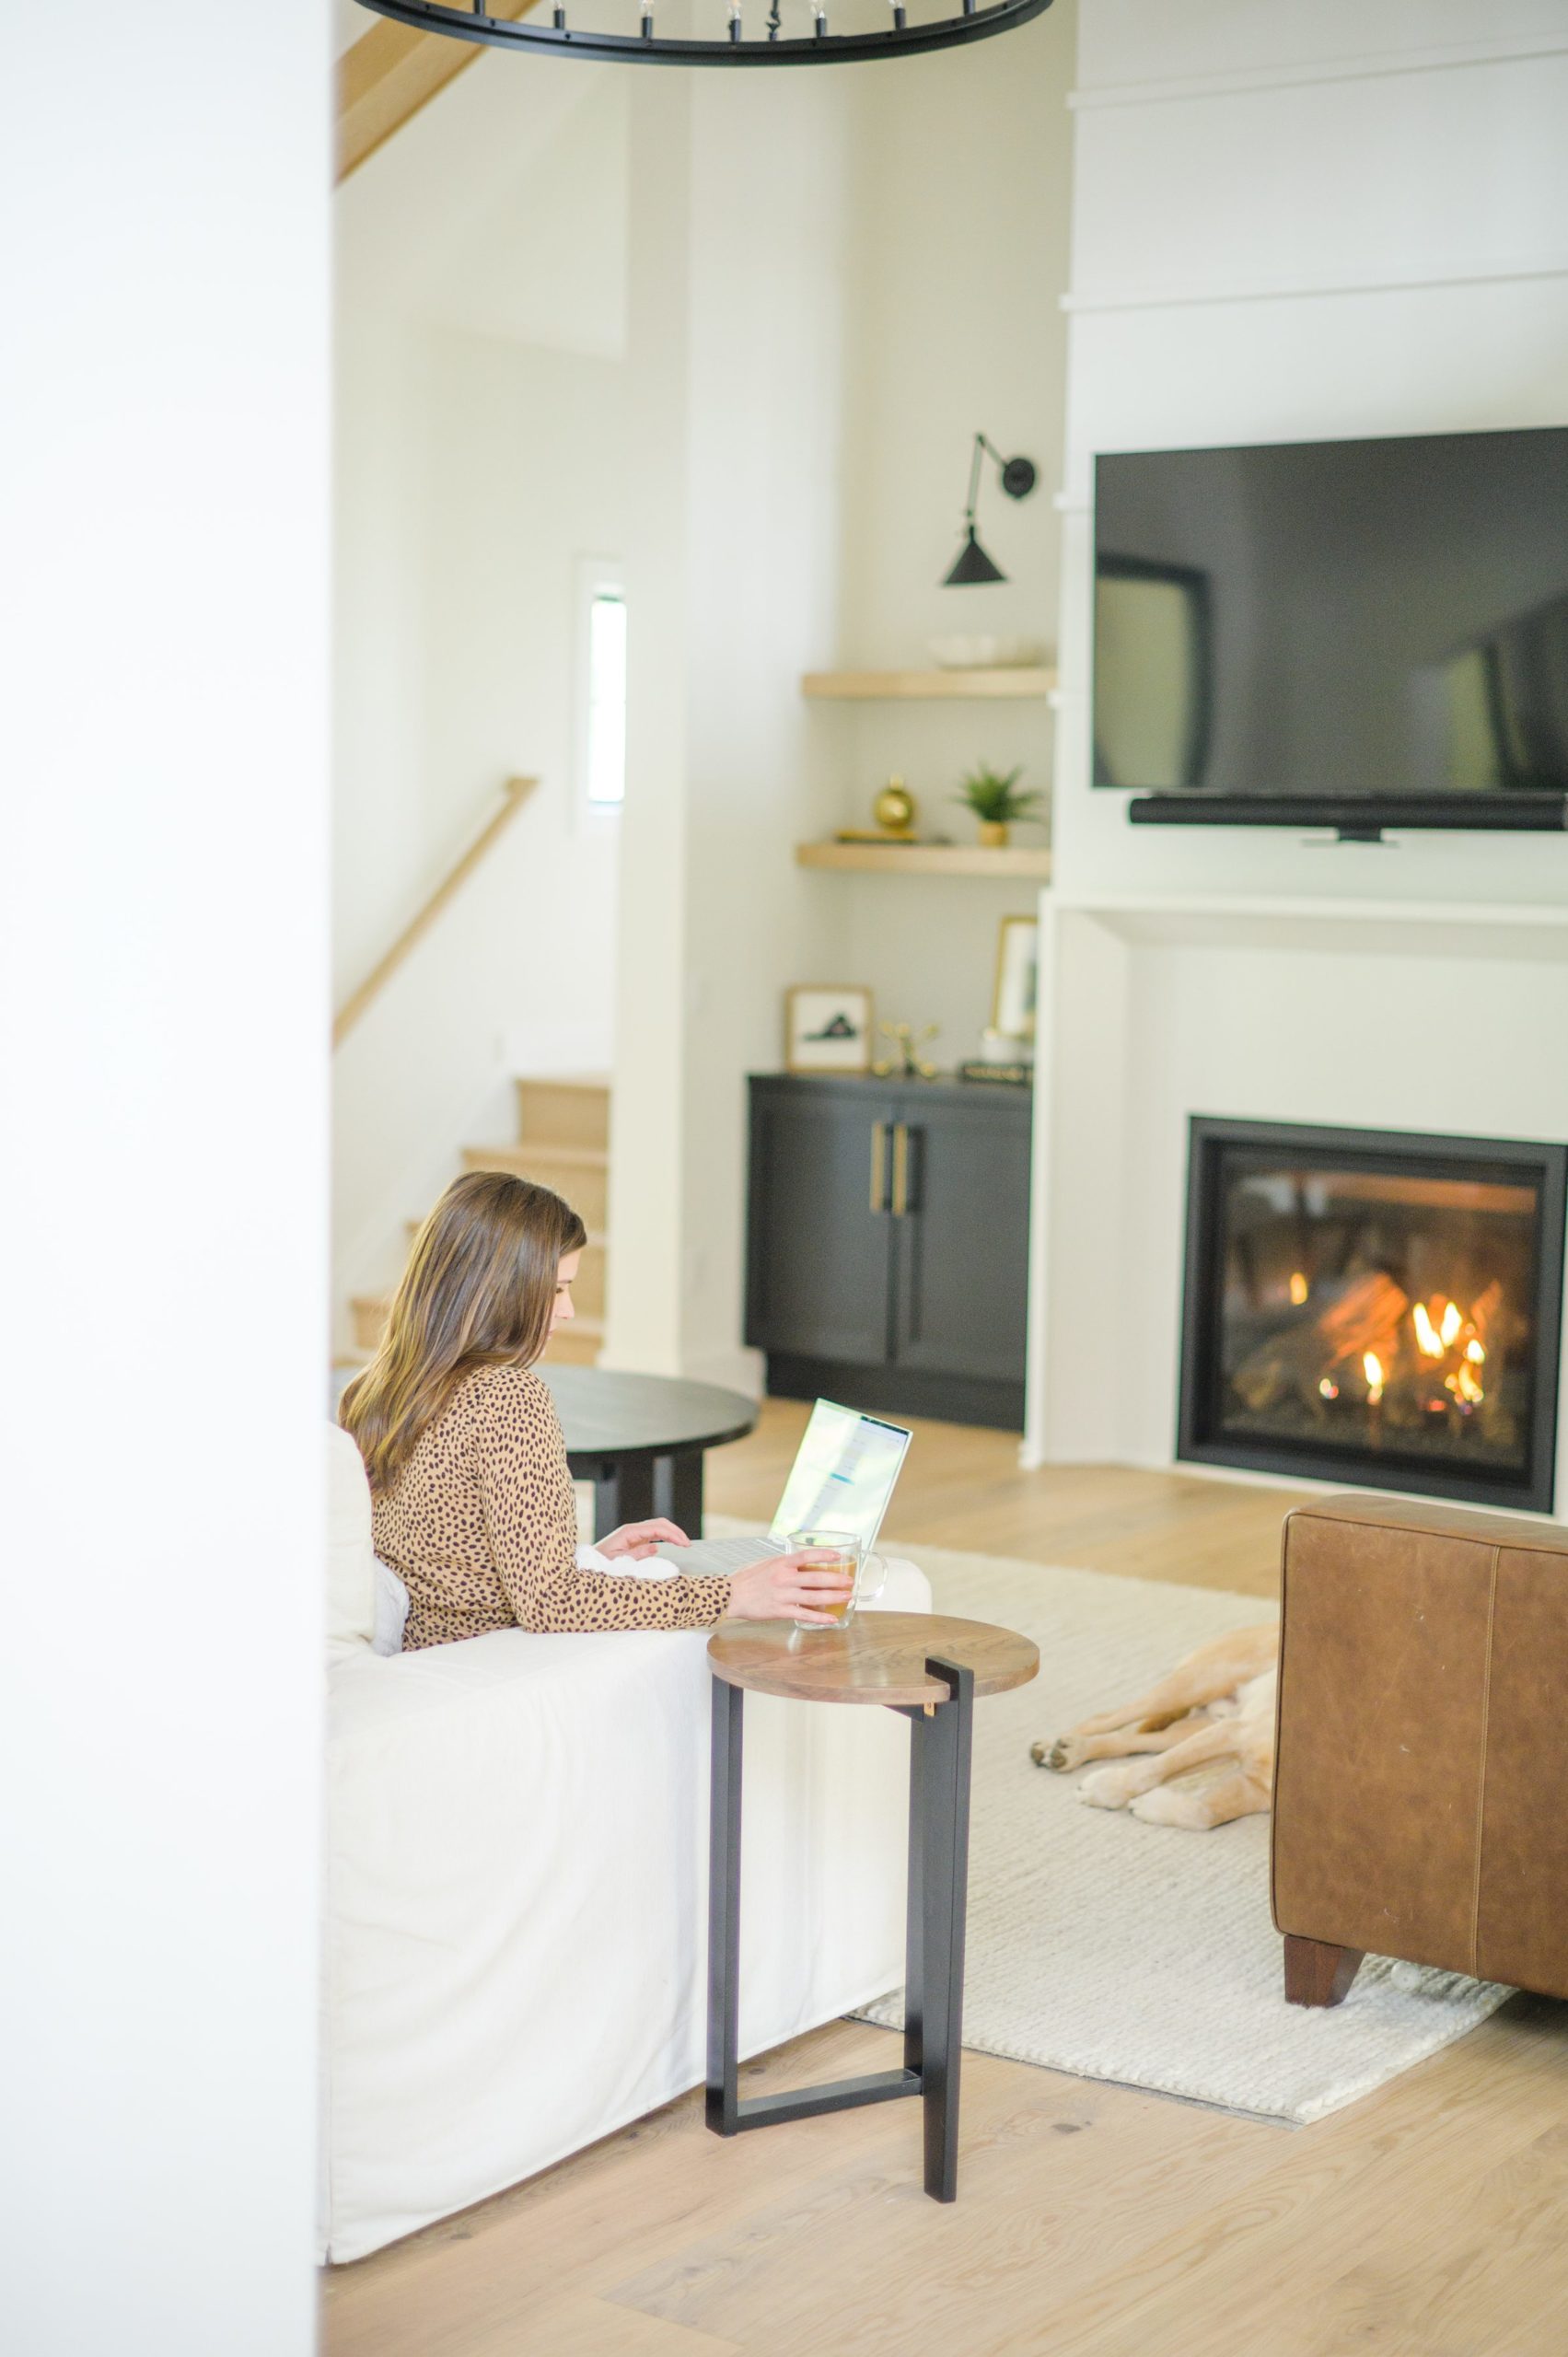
(605, 762)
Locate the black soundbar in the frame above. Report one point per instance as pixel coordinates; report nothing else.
(1358, 818)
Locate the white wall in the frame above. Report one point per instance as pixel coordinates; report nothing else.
(826, 320)
(763, 455)
(1306, 223)
(737, 326)
(957, 251)
(163, 957)
(647, 1158)
(483, 440)
(1290, 222)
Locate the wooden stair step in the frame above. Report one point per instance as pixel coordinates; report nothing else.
(579, 1343)
(525, 1157)
(369, 1311)
(587, 1294)
(564, 1109)
(579, 1173)
(598, 1240)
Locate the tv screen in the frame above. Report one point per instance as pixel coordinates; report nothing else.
(1355, 619)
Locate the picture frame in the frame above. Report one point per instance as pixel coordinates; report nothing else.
(828, 1027)
(1015, 989)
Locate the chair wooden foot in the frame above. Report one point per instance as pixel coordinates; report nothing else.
(1316, 1971)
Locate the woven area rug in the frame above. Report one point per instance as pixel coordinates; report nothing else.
(1140, 1953)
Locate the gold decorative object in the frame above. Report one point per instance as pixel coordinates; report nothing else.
(906, 1060)
(894, 808)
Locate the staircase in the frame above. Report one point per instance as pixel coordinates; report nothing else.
(562, 1143)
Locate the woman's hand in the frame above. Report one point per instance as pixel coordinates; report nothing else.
(789, 1587)
(639, 1540)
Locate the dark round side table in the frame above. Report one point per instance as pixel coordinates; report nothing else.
(639, 1439)
(931, 1670)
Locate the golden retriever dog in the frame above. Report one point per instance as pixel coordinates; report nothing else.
(1215, 1710)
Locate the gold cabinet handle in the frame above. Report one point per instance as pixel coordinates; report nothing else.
(900, 1169)
(878, 1162)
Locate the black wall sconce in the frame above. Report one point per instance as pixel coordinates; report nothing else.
(1018, 479)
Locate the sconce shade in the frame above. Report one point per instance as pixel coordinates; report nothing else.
(972, 566)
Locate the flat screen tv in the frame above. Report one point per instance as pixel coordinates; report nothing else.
(1343, 633)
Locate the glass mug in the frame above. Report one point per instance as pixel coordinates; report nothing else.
(845, 1551)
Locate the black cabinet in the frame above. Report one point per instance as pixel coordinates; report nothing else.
(888, 1244)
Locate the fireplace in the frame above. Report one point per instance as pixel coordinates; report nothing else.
(1374, 1307)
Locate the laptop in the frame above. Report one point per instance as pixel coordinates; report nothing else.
(842, 1478)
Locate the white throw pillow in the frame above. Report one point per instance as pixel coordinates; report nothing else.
(391, 1609)
(351, 1559)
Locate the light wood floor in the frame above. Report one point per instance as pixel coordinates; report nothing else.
(1429, 2221)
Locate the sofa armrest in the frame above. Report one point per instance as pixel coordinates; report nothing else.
(1422, 1741)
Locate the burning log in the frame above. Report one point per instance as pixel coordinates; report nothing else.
(1365, 1317)
(1293, 1363)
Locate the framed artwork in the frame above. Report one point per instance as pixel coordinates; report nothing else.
(828, 1027)
(1012, 995)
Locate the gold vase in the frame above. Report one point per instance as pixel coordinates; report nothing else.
(994, 834)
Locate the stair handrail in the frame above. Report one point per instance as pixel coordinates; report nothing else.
(514, 793)
(389, 72)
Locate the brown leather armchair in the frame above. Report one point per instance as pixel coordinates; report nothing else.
(1421, 1779)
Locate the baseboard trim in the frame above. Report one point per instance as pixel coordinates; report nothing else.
(899, 1391)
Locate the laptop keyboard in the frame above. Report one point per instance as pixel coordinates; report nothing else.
(710, 1558)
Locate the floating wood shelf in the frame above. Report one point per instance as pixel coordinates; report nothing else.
(927, 859)
(869, 686)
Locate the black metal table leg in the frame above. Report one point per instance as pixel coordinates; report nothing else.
(678, 1490)
(914, 1905)
(941, 1744)
(607, 1497)
(946, 1740)
(723, 1910)
(623, 1491)
(724, 2113)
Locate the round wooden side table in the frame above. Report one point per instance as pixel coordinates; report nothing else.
(933, 1671)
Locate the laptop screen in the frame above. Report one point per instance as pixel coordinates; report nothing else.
(843, 1474)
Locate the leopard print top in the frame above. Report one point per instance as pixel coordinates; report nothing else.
(481, 1527)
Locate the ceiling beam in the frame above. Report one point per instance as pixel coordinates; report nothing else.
(389, 72)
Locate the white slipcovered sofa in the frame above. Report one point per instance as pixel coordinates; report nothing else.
(517, 1887)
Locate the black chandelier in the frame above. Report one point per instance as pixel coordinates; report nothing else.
(768, 45)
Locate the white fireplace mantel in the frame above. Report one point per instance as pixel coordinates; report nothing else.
(1373, 1014)
(1401, 928)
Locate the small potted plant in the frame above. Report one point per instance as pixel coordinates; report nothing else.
(993, 796)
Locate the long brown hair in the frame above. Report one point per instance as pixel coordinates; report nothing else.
(478, 1291)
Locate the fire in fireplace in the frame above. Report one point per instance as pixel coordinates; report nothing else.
(1374, 1307)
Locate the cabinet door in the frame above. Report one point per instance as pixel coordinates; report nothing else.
(962, 1246)
(819, 1264)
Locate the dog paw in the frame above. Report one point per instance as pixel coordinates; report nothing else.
(1061, 1754)
(1166, 1805)
(1106, 1788)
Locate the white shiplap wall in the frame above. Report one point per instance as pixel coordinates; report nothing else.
(1290, 222)
(1303, 223)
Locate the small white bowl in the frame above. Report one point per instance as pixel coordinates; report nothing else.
(986, 654)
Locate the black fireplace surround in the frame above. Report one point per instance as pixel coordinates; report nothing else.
(1374, 1307)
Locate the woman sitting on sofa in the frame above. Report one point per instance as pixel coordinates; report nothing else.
(472, 1501)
